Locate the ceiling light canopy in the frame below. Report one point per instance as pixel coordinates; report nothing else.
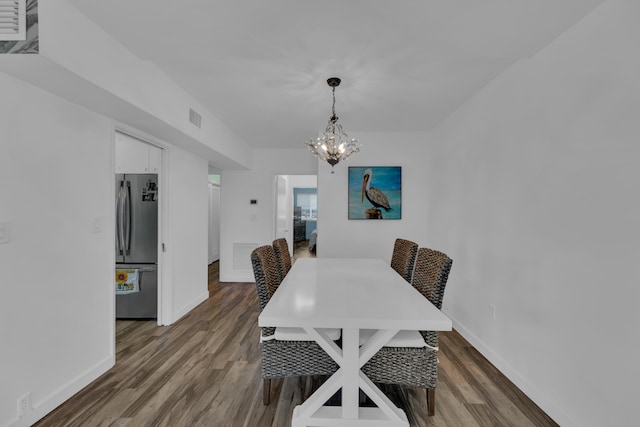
(333, 145)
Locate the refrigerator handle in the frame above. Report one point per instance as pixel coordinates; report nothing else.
(120, 219)
(127, 217)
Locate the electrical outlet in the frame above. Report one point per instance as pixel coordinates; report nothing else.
(492, 311)
(24, 405)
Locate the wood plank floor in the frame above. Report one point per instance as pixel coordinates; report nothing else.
(205, 371)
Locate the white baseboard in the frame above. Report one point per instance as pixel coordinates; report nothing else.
(187, 308)
(237, 276)
(55, 399)
(521, 382)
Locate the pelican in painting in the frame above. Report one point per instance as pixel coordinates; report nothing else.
(374, 195)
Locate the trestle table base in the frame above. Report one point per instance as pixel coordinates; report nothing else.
(351, 357)
(332, 416)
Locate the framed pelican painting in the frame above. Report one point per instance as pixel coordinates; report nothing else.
(375, 192)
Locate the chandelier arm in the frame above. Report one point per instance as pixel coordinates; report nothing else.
(333, 145)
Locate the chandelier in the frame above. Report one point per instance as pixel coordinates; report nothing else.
(333, 145)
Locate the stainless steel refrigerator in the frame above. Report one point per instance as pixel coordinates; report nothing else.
(137, 244)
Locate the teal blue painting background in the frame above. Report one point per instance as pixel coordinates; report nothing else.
(387, 179)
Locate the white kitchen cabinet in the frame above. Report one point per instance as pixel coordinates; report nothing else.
(136, 156)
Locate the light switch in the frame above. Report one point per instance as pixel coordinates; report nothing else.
(5, 231)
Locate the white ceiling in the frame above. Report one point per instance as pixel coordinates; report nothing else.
(261, 66)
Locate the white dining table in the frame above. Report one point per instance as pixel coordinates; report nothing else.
(350, 294)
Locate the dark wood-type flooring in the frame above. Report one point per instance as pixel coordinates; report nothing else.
(204, 370)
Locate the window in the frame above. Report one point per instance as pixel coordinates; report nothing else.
(12, 20)
(308, 204)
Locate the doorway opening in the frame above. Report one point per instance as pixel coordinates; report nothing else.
(138, 219)
(214, 229)
(297, 213)
(305, 220)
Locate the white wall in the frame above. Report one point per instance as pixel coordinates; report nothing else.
(241, 222)
(303, 181)
(56, 275)
(532, 190)
(187, 246)
(342, 237)
(57, 308)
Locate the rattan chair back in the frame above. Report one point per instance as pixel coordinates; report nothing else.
(283, 257)
(403, 257)
(283, 358)
(431, 273)
(266, 273)
(409, 366)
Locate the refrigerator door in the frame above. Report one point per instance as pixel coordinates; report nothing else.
(142, 304)
(139, 210)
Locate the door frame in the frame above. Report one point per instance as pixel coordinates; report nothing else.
(289, 203)
(163, 267)
(283, 215)
(213, 216)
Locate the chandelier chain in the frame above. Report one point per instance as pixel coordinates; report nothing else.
(333, 108)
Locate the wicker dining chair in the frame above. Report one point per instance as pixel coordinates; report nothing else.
(403, 257)
(282, 358)
(283, 257)
(416, 366)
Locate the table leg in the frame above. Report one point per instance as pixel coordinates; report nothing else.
(351, 367)
(350, 378)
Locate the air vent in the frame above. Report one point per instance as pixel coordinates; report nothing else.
(12, 20)
(195, 118)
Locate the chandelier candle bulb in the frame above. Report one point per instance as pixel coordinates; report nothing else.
(333, 145)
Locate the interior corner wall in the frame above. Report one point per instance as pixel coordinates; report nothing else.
(340, 237)
(56, 273)
(532, 189)
(242, 223)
